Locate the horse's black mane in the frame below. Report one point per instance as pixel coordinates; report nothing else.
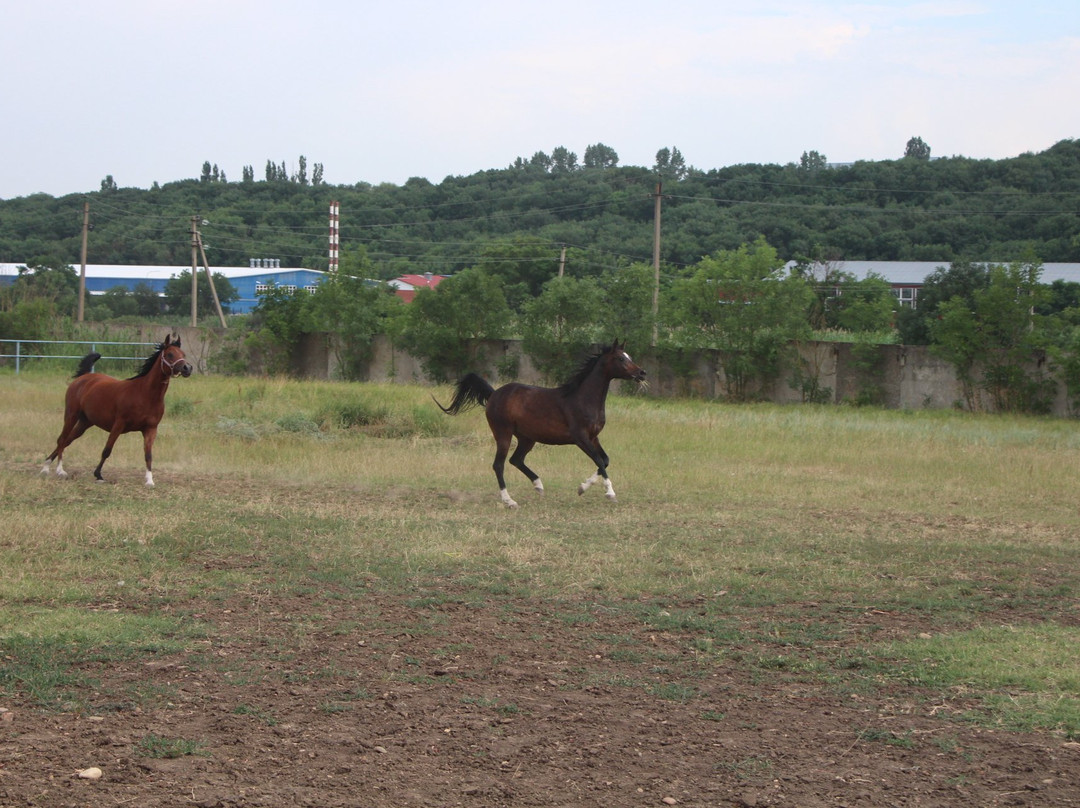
(570, 386)
(148, 365)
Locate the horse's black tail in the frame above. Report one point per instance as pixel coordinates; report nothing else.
(471, 390)
(86, 364)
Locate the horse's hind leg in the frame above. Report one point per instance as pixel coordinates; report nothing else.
(502, 447)
(73, 429)
(517, 460)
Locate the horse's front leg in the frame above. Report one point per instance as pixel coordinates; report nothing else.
(114, 433)
(148, 452)
(597, 454)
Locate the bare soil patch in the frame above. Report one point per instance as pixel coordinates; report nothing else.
(407, 701)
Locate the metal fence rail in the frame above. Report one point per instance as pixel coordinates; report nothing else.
(24, 349)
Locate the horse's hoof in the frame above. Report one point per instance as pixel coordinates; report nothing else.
(511, 504)
(610, 496)
(581, 489)
(62, 474)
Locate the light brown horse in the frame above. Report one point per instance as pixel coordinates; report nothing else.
(570, 414)
(119, 405)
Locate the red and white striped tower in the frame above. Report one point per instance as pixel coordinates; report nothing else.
(335, 209)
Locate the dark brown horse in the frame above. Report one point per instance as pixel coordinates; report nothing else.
(572, 413)
(119, 405)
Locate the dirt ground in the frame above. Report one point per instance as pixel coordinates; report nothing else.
(505, 703)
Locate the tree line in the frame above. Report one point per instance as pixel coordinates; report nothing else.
(557, 252)
(912, 208)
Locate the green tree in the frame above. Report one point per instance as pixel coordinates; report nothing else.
(563, 161)
(178, 293)
(277, 324)
(560, 325)
(119, 302)
(742, 304)
(670, 164)
(626, 312)
(440, 326)
(53, 281)
(993, 342)
(600, 156)
(351, 311)
(812, 162)
(523, 265)
(148, 303)
(917, 149)
(866, 305)
(960, 279)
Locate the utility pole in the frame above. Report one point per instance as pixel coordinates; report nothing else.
(82, 271)
(194, 271)
(656, 262)
(562, 261)
(209, 277)
(198, 250)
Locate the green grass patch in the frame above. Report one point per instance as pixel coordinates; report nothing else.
(156, 746)
(1027, 677)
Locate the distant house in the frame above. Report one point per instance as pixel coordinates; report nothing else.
(907, 277)
(405, 286)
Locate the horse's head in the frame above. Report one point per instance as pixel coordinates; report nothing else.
(619, 365)
(173, 360)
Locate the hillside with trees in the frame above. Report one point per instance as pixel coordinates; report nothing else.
(912, 208)
(557, 252)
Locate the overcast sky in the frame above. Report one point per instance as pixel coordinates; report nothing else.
(147, 90)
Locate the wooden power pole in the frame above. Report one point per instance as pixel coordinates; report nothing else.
(197, 251)
(656, 262)
(82, 271)
(194, 271)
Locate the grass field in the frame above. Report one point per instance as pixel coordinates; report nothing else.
(968, 524)
(933, 555)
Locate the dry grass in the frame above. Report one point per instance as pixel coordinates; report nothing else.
(947, 516)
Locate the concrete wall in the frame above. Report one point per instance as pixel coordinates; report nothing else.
(900, 376)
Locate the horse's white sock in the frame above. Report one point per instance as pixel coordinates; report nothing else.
(585, 486)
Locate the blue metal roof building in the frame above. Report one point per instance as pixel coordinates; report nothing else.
(248, 281)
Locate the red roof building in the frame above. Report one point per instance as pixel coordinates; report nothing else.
(405, 286)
